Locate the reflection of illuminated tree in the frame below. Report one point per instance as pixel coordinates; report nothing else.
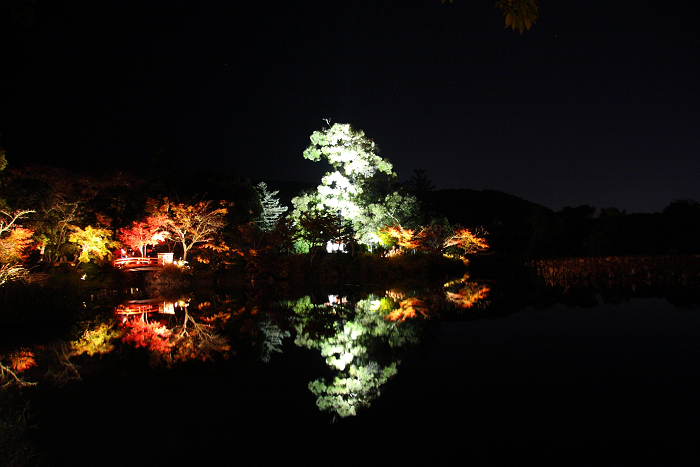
(345, 395)
(199, 340)
(12, 365)
(60, 368)
(99, 340)
(409, 308)
(273, 339)
(466, 293)
(357, 345)
(152, 336)
(190, 339)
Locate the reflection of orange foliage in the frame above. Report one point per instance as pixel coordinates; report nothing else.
(22, 359)
(200, 347)
(468, 295)
(221, 316)
(408, 308)
(150, 335)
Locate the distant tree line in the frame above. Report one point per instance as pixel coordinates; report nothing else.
(519, 228)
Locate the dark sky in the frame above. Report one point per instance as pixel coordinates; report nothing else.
(598, 104)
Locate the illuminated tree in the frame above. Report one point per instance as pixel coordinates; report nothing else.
(359, 187)
(519, 14)
(405, 238)
(56, 220)
(427, 239)
(94, 243)
(190, 224)
(144, 233)
(3, 160)
(59, 199)
(465, 242)
(281, 239)
(271, 209)
(14, 241)
(13, 246)
(218, 254)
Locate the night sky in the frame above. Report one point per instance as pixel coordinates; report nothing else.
(598, 104)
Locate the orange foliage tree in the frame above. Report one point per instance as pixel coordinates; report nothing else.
(465, 242)
(437, 239)
(190, 224)
(405, 238)
(14, 242)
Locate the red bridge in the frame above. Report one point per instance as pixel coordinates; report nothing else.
(143, 263)
(137, 307)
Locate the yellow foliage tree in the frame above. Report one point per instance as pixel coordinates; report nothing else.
(94, 243)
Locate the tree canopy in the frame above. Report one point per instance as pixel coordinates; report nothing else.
(359, 188)
(519, 14)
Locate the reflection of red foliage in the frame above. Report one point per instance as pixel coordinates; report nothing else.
(153, 336)
(22, 359)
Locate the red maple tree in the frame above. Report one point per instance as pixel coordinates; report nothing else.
(144, 233)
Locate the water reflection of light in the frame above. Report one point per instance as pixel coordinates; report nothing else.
(467, 294)
(334, 300)
(149, 306)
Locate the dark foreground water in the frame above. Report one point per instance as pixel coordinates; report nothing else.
(602, 385)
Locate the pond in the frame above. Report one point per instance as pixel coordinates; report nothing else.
(449, 373)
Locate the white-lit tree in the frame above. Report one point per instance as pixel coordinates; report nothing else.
(358, 189)
(271, 209)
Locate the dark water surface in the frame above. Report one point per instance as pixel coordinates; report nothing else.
(604, 385)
